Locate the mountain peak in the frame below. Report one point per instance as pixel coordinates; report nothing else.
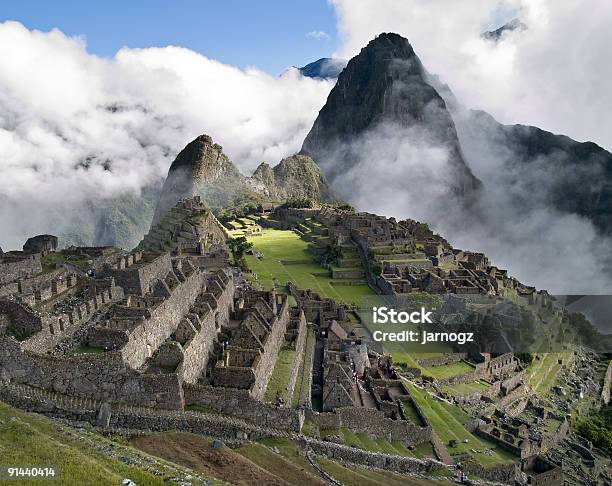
(201, 162)
(384, 86)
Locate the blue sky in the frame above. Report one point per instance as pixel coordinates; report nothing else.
(270, 34)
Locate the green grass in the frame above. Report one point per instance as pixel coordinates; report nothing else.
(447, 420)
(542, 373)
(280, 245)
(288, 464)
(31, 440)
(50, 260)
(279, 381)
(368, 443)
(465, 388)
(448, 371)
(87, 350)
(301, 391)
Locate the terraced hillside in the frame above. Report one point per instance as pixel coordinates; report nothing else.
(82, 457)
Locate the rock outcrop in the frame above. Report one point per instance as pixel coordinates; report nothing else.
(384, 86)
(324, 68)
(202, 169)
(297, 176)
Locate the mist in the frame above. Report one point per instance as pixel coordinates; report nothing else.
(554, 74)
(78, 131)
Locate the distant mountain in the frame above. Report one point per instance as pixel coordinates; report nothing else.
(385, 85)
(324, 68)
(295, 176)
(496, 35)
(202, 168)
(553, 170)
(386, 89)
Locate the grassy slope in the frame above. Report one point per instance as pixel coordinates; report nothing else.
(447, 420)
(277, 387)
(277, 245)
(30, 439)
(542, 372)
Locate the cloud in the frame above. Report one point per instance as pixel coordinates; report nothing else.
(554, 74)
(76, 129)
(318, 35)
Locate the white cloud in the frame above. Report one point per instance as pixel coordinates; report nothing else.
(75, 128)
(554, 75)
(318, 35)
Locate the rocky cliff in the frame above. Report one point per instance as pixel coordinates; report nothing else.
(295, 176)
(386, 86)
(202, 169)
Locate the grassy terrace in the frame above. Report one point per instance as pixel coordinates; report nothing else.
(447, 420)
(290, 465)
(357, 476)
(542, 372)
(29, 439)
(279, 381)
(367, 443)
(302, 388)
(287, 259)
(449, 370)
(466, 388)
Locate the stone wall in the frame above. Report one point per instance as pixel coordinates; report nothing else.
(40, 332)
(13, 270)
(267, 359)
(372, 422)
(198, 348)
(300, 341)
(605, 392)
(102, 376)
(504, 473)
(158, 322)
(377, 460)
(137, 277)
(239, 403)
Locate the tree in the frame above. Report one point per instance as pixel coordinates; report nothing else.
(239, 246)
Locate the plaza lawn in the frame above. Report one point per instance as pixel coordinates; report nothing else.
(447, 420)
(284, 260)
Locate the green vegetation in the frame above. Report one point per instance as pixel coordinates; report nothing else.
(448, 422)
(50, 261)
(543, 371)
(449, 370)
(463, 389)
(597, 428)
(301, 392)
(29, 439)
(284, 260)
(367, 443)
(239, 247)
(357, 476)
(279, 381)
(298, 202)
